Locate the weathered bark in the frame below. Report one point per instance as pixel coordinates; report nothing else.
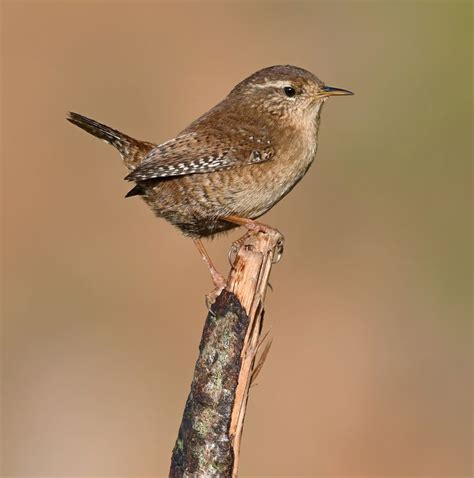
(208, 443)
(204, 447)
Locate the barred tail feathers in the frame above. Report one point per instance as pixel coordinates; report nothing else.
(132, 150)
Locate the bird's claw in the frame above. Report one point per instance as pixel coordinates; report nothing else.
(212, 296)
(278, 251)
(234, 249)
(219, 285)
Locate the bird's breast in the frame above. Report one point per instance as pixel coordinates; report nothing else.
(292, 161)
(257, 188)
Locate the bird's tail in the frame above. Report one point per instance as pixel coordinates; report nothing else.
(132, 150)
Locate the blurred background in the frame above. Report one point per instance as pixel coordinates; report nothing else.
(370, 372)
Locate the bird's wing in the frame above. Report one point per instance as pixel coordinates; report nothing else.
(195, 153)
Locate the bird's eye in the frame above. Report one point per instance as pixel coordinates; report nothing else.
(289, 91)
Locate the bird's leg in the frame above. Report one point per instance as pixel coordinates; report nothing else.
(217, 278)
(252, 226)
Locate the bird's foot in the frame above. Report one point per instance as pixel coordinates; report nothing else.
(252, 227)
(219, 285)
(234, 248)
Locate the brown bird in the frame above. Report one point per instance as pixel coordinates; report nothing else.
(235, 162)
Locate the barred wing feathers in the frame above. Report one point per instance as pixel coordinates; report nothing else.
(193, 153)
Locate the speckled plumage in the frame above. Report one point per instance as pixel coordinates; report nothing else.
(238, 159)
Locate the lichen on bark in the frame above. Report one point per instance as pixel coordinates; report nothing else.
(203, 446)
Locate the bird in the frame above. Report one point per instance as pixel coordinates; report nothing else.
(232, 164)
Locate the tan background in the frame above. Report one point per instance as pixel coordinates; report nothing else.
(370, 371)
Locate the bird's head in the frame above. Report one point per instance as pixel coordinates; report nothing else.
(285, 91)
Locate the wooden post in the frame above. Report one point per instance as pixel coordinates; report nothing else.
(209, 437)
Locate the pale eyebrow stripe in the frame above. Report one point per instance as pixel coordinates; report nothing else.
(276, 84)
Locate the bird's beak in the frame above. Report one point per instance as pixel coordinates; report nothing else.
(330, 91)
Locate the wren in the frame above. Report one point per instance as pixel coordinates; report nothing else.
(235, 162)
